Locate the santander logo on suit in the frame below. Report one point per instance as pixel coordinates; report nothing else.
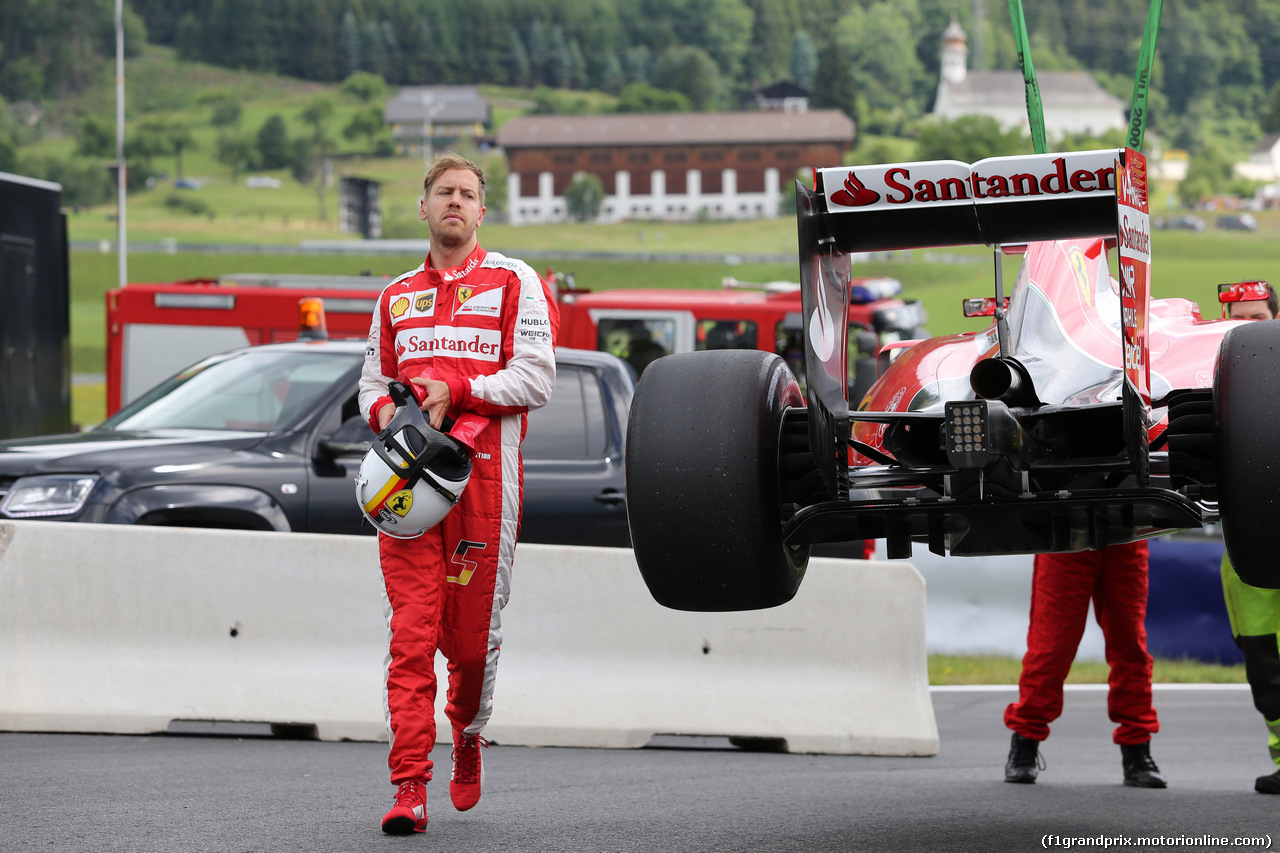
(448, 342)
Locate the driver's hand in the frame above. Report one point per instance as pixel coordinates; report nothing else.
(437, 401)
(385, 414)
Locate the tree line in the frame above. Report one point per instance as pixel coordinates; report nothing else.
(1215, 83)
(1217, 64)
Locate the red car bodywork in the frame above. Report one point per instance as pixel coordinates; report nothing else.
(1065, 315)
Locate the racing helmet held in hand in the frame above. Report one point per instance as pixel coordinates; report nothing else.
(413, 474)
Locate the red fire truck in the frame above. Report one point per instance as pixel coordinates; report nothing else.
(641, 325)
(155, 330)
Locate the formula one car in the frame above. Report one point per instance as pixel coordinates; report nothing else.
(1087, 415)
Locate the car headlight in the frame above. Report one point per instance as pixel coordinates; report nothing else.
(54, 494)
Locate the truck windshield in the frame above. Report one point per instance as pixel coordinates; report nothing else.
(256, 391)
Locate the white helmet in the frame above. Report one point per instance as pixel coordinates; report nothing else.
(403, 498)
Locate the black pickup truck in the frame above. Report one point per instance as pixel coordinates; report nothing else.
(271, 438)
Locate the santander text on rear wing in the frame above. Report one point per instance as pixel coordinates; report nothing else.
(949, 203)
(999, 200)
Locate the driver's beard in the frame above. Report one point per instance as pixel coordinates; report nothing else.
(449, 241)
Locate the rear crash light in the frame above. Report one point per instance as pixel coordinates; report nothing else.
(977, 432)
(966, 434)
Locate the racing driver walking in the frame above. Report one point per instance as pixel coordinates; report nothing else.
(473, 332)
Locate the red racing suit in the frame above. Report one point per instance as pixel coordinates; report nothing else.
(486, 328)
(1062, 585)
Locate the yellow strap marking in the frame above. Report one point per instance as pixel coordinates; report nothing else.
(393, 485)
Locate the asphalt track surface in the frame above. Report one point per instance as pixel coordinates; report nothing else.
(236, 794)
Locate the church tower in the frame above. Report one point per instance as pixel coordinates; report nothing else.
(955, 53)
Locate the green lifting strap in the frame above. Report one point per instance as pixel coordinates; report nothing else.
(1035, 109)
(1142, 79)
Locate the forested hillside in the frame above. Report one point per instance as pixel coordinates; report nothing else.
(1215, 82)
(1218, 58)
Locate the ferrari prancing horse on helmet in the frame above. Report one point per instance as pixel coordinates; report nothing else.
(413, 474)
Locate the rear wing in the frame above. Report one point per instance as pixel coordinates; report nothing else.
(1018, 199)
(949, 203)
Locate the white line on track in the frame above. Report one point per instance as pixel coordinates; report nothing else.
(997, 688)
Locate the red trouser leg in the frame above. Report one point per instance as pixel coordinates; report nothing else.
(479, 540)
(414, 578)
(470, 622)
(1120, 604)
(1061, 585)
(445, 590)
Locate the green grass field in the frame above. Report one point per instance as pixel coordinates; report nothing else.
(980, 669)
(1184, 265)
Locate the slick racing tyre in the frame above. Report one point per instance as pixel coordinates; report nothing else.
(702, 481)
(1246, 404)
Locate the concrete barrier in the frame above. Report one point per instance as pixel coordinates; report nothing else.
(111, 628)
(840, 669)
(107, 628)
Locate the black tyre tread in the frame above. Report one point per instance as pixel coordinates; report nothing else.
(1247, 448)
(703, 496)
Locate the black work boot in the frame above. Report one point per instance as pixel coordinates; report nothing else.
(1140, 770)
(1025, 761)
(1268, 784)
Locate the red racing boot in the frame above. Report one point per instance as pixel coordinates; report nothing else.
(409, 814)
(468, 770)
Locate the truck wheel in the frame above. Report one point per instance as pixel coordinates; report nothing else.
(1246, 407)
(702, 481)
